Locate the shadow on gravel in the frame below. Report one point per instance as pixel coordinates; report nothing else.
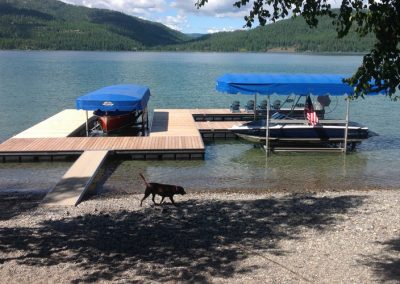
(195, 242)
(13, 205)
(387, 265)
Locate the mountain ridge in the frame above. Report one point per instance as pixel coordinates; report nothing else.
(51, 24)
(55, 25)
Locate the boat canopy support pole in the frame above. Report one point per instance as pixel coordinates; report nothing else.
(347, 124)
(87, 124)
(255, 106)
(147, 119)
(143, 122)
(267, 129)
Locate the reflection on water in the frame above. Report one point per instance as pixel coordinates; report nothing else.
(34, 176)
(229, 165)
(235, 165)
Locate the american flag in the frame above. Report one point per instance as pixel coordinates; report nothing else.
(309, 110)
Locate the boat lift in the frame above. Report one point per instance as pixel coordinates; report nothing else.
(288, 84)
(127, 97)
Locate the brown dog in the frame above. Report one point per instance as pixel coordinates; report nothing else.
(164, 190)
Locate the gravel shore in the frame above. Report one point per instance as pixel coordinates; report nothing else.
(328, 237)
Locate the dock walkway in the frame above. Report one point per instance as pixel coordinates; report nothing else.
(75, 183)
(63, 124)
(173, 135)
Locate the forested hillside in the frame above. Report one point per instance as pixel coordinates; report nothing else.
(290, 35)
(50, 24)
(54, 25)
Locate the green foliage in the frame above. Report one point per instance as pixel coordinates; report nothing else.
(53, 25)
(50, 24)
(290, 35)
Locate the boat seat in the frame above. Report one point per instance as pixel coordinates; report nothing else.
(276, 104)
(235, 106)
(249, 107)
(263, 105)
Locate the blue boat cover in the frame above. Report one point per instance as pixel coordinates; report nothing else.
(115, 98)
(284, 84)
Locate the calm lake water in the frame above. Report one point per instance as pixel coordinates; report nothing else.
(35, 85)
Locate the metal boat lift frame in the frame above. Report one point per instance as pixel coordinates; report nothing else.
(345, 138)
(286, 84)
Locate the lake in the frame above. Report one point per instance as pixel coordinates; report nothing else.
(36, 85)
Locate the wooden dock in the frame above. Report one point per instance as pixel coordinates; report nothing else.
(68, 122)
(173, 122)
(71, 189)
(175, 134)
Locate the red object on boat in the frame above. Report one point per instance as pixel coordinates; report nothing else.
(113, 121)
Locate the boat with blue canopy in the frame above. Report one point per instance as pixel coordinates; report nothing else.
(283, 128)
(117, 106)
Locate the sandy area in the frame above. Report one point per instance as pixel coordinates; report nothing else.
(331, 237)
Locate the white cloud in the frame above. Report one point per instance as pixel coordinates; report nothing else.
(215, 8)
(172, 13)
(223, 8)
(217, 30)
(177, 22)
(137, 7)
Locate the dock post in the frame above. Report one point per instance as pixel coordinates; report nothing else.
(347, 125)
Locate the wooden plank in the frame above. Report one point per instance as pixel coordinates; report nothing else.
(217, 125)
(173, 122)
(61, 124)
(80, 144)
(72, 187)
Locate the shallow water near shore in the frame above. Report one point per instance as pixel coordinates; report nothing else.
(35, 85)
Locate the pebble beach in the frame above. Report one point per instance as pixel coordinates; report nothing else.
(220, 237)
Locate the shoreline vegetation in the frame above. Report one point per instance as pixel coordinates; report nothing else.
(273, 51)
(332, 237)
(54, 25)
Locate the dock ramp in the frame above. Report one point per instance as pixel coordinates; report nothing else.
(74, 184)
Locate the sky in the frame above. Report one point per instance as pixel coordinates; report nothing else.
(181, 15)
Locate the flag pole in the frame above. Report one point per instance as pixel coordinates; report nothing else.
(347, 125)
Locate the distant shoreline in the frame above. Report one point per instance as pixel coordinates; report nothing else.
(271, 51)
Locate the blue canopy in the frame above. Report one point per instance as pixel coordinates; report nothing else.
(115, 98)
(284, 84)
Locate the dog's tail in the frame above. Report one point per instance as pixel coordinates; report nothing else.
(142, 176)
